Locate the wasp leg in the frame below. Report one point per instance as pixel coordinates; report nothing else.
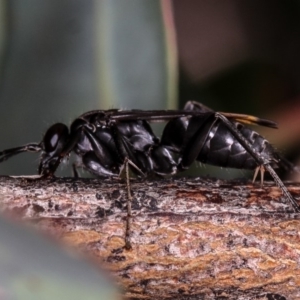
(128, 245)
(260, 160)
(260, 169)
(125, 167)
(281, 185)
(196, 106)
(129, 162)
(130, 159)
(194, 141)
(74, 169)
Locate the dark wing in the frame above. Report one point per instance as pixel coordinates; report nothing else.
(166, 115)
(151, 115)
(248, 119)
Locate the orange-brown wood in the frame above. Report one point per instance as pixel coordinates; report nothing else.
(191, 237)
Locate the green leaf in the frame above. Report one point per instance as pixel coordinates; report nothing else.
(31, 267)
(136, 54)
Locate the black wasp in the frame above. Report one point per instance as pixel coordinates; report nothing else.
(106, 142)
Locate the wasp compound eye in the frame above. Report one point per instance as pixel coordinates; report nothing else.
(55, 138)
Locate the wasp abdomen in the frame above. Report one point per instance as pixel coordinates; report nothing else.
(222, 149)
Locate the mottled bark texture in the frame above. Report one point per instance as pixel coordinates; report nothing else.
(191, 238)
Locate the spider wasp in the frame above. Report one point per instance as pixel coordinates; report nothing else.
(110, 141)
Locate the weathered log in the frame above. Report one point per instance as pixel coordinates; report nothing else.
(191, 238)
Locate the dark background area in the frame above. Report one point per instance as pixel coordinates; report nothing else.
(243, 56)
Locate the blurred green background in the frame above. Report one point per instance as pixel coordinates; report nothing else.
(62, 58)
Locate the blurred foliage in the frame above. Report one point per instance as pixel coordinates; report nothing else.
(137, 66)
(3, 33)
(32, 267)
(64, 58)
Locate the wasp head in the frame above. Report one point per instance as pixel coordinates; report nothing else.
(53, 145)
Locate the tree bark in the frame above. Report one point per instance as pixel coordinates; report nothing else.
(192, 238)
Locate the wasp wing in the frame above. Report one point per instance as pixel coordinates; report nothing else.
(151, 115)
(249, 120)
(166, 115)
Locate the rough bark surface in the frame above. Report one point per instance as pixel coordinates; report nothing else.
(191, 238)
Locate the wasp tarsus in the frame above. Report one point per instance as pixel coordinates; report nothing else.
(108, 142)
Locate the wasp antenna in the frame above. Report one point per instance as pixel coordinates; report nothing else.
(6, 154)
